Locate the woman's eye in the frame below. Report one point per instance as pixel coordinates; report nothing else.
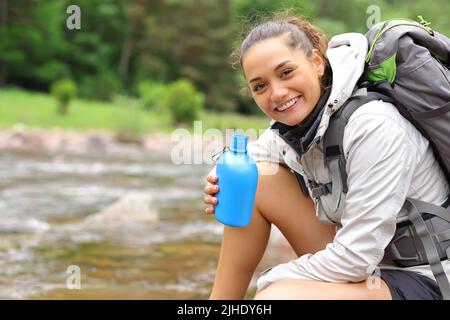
(258, 87)
(286, 72)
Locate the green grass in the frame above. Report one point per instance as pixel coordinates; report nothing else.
(123, 117)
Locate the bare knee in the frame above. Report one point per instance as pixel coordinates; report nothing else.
(270, 293)
(280, 201)
(269, 169)
(274, 182)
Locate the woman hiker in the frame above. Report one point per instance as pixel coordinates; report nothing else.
(294, 74)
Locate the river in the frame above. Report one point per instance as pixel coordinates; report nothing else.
(42, 193)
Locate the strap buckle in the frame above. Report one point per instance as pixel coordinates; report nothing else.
(319, 190)
(394, 251)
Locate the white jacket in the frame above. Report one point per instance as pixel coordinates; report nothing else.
(387, 161)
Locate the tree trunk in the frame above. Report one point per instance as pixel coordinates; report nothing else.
(3, 12)
(3, 23)
(127, 48)
(125, 56)
(62, 109)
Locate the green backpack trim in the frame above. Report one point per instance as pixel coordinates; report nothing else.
(405, 22)
(386, 71)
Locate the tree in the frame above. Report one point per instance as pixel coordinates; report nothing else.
(191, 39)
(30, 40)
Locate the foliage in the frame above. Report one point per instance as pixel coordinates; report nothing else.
(101, 86)
(64, 91)
(122, 44)
(151, 93)
(183, 101)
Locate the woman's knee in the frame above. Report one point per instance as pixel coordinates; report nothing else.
(278, 190)
(272, 177)
(266, 168)
(281, 201)
(279, 290)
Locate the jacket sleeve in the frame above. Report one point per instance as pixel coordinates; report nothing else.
(380, 165)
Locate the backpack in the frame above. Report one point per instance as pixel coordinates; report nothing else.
(407, 64)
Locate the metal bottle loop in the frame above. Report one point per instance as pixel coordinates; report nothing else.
(216, 156)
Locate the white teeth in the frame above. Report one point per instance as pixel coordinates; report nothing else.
(287, 104)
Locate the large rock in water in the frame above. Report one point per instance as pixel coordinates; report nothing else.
(133, 212)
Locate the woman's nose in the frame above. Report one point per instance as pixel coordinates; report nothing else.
(279, 92)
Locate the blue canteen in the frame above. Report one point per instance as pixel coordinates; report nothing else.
(237, 180)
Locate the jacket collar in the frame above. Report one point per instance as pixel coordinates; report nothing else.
(300, 136)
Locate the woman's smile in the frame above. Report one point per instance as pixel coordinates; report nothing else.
(288, 106)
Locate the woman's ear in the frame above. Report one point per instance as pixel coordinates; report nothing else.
(318, 62)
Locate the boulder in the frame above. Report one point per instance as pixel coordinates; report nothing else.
(134, 211)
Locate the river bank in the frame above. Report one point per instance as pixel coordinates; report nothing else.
(21, 138)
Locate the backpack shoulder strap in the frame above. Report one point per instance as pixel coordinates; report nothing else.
(333, 142)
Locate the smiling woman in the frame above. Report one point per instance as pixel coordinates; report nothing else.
(339, 246)
(287, 87)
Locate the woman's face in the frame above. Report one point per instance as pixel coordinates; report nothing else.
(284, 82)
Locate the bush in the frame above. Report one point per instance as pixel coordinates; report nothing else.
(151, 93)
(183, 101)
(64, 91)
(102, 86)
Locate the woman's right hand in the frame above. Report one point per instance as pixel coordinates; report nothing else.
(210, 191)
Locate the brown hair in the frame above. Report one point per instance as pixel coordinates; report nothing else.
(301, 34)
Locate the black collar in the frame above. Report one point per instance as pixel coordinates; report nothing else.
(300, 136)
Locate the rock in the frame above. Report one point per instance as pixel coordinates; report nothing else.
(96, 142)
(64, 141)
(134, 211)
(157, 142)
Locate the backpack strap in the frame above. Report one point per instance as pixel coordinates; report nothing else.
(333, 145)
(302, 183)
(416, 234)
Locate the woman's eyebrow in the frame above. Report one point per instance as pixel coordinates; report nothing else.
(255, 79)
(276, 68)
(281, 64)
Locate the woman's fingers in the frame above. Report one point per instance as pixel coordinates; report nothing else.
(211, 189)
(212, 179)
(210, 200)
(209, 210)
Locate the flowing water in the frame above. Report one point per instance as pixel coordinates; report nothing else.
(43, 194)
